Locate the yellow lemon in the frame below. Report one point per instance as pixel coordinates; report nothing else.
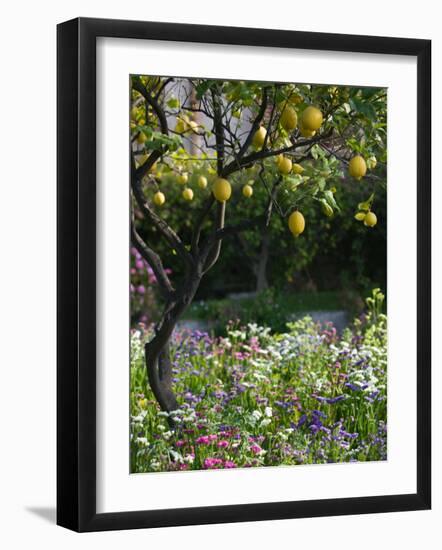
(187, 194)
(259, 137)
(370, 219)
(296, 223)
(288, 118)
(183, 178)
(357, 167)
(285, 165)
(304, 132)
(297, 168)
(222, 190)
(311, 119)
(159, 199)
(295, 99)
(202, 182)
(247, 191)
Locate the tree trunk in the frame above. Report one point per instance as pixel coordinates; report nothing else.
(157, 350)
(261, 266)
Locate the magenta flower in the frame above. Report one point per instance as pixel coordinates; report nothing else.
(212, 437)
(223, 444)
(229, 464)
(202, 440)
(141, 289)
(256, 449)
(210, 463)
(180, 443)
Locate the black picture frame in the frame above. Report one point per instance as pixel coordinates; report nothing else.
(76, 274)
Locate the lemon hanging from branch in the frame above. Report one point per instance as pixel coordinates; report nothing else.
(288, 118)
(259, 137)
(202, 182)
(222, 190)
(311, 119)
(370, 219)
(247, 191)
(284, 165)
(159, 199)
(183, 178)
(296, 223)
(357, 167)
(187, 194)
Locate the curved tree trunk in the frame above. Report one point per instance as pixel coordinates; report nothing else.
(157, 350)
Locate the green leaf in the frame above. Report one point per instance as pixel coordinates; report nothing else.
(360, 216)
(364, 108)
(366, 205)
(202, 87)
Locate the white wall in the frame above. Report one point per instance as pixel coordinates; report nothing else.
(27, 288)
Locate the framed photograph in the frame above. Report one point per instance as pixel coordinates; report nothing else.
(243, 274)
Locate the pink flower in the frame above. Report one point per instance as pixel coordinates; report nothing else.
(141, 289)
(223, 444)
(180, 443)
(229, 464)
(212, 463)
(212, 437)
(202, 440)
(256, 449)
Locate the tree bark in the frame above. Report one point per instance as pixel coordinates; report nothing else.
(157, 350)
(261, 266)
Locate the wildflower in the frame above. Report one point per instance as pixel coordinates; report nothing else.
(223, 444)
(229, 464)
(256, 449)
(210, 463)
(202, 440)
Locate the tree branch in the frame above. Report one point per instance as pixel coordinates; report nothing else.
(215, 249)
(219, 132)
(199, 223)
(263, 154)
(255, 125)
(168, 233)
(154, 261)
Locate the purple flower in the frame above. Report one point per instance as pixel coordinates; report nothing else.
(210, 463)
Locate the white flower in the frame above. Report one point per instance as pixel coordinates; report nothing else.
(257, 414)
(142, 441)
(268, 412)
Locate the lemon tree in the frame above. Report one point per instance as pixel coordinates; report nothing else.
(201, 148)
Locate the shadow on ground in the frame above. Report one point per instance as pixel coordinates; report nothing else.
(46, 513)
